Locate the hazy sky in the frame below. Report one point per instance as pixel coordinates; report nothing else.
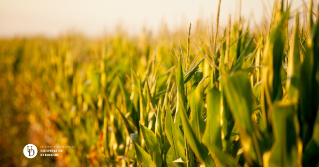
(93, 18)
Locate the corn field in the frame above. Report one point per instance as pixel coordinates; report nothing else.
(227, 96)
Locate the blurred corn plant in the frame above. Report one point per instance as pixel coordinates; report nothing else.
(240, 99)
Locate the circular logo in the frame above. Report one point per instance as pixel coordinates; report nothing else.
(30, 151)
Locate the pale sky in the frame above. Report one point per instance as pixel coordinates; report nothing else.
(93, 18)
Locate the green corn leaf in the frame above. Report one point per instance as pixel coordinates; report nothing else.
(130, 129)
(284, 151)
(142, 156)
(308, 88)
(181, 99)
(241, 61)
(148, 95)
(228, 121)
(212, 135)
(249, 59)
(294, 64)
(220, 158)
(311, 152)
(247, 49)
(244, 38)
(196, 79)
(174, 137)
(152, 144)
(197, 113)
(143, 112)
(239, 40)
(135, 99)
(213, 128)
(158, 126)
(192, 72)
(239, 97)
(170, 157)
(271, 72)
(128, 102)
(199, 150)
